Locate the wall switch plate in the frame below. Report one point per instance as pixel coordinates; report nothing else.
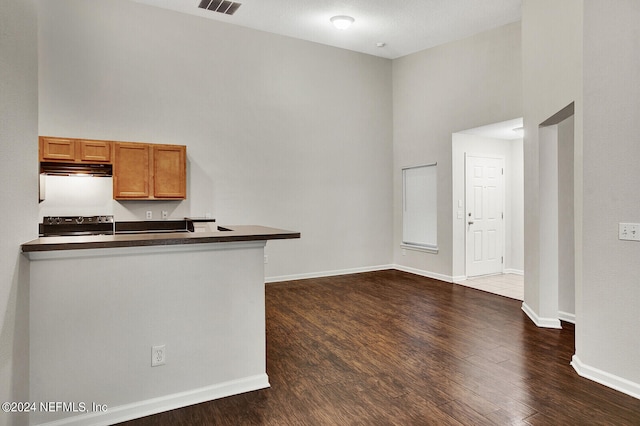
(629, 231)
(158, 355)
(266, 258)
(149, 214)
(165, 214)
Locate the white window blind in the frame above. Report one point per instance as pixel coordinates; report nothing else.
(420, 207)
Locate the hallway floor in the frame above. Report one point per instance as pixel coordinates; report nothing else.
(508, 285)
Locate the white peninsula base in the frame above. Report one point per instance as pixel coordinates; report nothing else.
(96, 314)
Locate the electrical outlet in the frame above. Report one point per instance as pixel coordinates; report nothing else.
(158, 355)
(165, 214)
(149, 214)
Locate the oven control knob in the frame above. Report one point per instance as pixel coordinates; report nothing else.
(57, 220)
(80, 219)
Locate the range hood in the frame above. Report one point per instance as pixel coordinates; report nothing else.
(77, 169)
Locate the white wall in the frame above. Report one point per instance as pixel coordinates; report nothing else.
(18, 209)
(279, 132)
(513, 223)
(586, 52)
(609, 345)
(516, 178)
(440, 91)
(566, 222)
(552, 79)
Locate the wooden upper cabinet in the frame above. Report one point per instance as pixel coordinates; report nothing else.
(94, 151)
(131, 172)
(169, 171)
(57, 149)
(74, 150)
(149, 171)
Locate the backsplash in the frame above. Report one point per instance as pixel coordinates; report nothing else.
(73, 195)
(91, 196)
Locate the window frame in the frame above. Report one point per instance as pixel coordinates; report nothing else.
(418, 235)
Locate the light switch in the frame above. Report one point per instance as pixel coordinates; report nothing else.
(460, 214)
(629, 231)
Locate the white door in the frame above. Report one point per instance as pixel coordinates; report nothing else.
(484, 216)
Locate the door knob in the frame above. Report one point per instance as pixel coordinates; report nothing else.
(470, 223)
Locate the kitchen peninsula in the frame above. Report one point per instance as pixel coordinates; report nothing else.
(100, 304)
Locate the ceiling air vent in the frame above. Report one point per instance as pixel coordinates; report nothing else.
(221, 6)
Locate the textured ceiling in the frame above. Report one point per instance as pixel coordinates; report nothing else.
(405, 26)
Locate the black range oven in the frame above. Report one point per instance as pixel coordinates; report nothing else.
(58, 226)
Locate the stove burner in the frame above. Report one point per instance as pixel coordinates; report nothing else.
(76, 225)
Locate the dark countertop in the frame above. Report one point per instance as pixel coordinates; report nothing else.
(235, 233)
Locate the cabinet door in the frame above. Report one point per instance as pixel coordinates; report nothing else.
(57, 149)
(131, 171)
(169, 171)
(94, 151)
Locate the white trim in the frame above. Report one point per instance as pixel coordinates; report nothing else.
(165, 403)
(434, 275)
(459, 279)
(540, 322)
(566, 316)
(321, 274)
(607, 379)
(514, 271)
(415, 247)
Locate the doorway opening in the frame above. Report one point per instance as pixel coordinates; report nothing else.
(488, 208)
(557, 217)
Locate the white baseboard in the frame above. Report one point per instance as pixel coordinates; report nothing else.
(461, 278)
(539, 321)
(165, 403)
(428, 274)
(321, 274)
(566, 316)
(607, 379)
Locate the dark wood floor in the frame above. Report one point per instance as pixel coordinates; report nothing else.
(389, 347)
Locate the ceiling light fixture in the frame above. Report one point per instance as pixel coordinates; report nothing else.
(342, 22)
